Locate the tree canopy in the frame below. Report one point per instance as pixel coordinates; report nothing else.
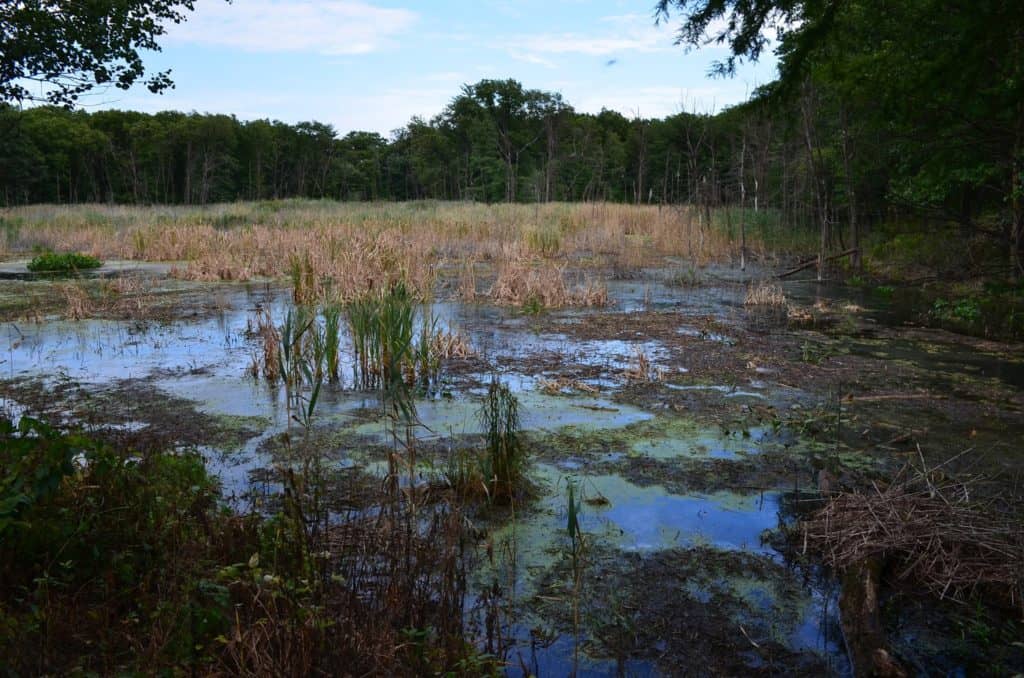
(942, 81)
(57, 50)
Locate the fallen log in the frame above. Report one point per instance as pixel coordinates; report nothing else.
(861, 621)
(811, 262)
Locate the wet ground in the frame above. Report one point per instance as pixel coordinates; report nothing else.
(694, 430)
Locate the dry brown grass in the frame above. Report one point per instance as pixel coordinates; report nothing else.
(448, 344)
(123, 298)
(77, 303)
(765, 293)
(267, 360)
(524, 283)
(561, 385)
(241, 240)
(933, 529)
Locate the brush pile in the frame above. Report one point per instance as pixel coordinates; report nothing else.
(932, 531)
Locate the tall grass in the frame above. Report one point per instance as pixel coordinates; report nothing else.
(388, 349)
(504, 458)
(356, 245)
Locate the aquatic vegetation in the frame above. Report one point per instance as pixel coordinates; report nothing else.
(95, 535)
(387, 347)
(545, 241)
(577, 544)
(689, 276)
(642, 369)
(966, 310)
(884, 290)
(304, 279)
(504, 459)
(332, 341)
(765, 293)
(78, 305)
(65, 262)
(542, 286)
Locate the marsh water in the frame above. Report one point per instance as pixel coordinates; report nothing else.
(687, 480)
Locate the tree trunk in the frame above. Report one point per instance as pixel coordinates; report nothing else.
(851, 196)
(743, 206)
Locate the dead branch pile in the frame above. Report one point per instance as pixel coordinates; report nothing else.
(931, 530)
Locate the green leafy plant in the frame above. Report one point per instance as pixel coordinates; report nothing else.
(885, 290)
(67, 262)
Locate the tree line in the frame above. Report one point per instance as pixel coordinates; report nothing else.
(825, 151)
(496, 141)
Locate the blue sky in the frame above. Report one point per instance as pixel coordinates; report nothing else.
(373, 64)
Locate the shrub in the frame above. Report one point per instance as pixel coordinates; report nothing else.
(67, 262)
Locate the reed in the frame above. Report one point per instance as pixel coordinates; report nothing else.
(765, 293)
(504, 459)
(353, 243)
(332, 341)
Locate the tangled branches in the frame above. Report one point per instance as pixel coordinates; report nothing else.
(931, 530)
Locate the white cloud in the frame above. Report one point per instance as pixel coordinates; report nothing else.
(531, 58)
(330, 27)
(626, 33)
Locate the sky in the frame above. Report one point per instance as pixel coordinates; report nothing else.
(374, 64)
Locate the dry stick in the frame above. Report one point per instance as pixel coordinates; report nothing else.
(895, 396)
(813, 262)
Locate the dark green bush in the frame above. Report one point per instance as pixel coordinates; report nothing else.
(106, 557)
(66, 262)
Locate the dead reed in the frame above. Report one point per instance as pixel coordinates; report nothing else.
(765, 293)
(934, 532)
(544, 285)
(347, 241)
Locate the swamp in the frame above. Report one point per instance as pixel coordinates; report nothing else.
(512, 338)
(418, 438)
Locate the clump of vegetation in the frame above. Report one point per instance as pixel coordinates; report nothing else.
(928, 526)
(765, 293)
(115, 561)
(992, 310)
(684, 277)
(545, 240)
(885, 291)
(382, 324)
(504, 459)
(66, 262)
(538, 287)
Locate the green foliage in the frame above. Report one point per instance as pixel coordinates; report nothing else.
(36, 461)
(67, 262)
(74, 47)
(995, 311)
(964, 310)
(545, 241)
(88, 532)
(533, 305)
(388, 353)
(884, 290)
(504, 460)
